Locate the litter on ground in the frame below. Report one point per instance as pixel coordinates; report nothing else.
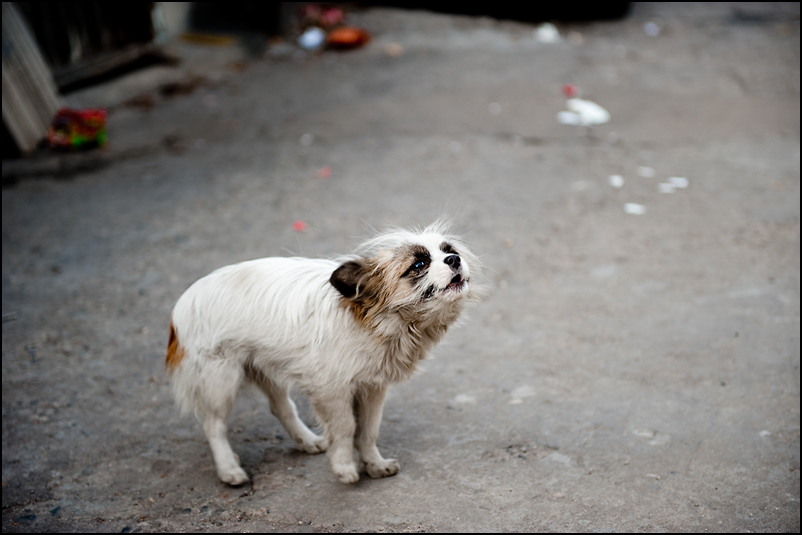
(312, 38)
(634, 208)
(347, 37)
(678, 182)
(665, 187)
(77, 129)
(651, 29)
(583, 113)
(547, 33)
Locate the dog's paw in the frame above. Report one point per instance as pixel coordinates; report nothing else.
(233, 476)
(385, 468)
(347, 474)
(314, 444)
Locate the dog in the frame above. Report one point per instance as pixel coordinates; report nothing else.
(342, 331)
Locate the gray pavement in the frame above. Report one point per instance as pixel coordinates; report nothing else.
(625, 373)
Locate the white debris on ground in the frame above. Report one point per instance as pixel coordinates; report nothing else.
(678, 182)
(583, 113)
(547, 33)
(312, 38)
(665, 187)
(634, 208)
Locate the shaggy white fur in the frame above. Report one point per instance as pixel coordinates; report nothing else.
(341, 331)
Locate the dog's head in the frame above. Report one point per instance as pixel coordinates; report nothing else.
(423, 276)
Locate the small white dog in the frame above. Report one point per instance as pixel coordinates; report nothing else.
(342, 331)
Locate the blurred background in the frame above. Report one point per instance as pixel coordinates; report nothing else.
(628, 173)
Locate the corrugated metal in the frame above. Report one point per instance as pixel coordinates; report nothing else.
(30, 97)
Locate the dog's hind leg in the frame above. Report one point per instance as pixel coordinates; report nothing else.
(219, 386)
(283, 408)
(226, 461)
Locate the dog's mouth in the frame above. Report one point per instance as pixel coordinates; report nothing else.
(457, 284)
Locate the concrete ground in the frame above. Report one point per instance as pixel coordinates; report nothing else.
(626, 372)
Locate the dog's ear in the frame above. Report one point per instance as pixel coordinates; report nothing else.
(350, 278)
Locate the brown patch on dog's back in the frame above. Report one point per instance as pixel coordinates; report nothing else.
(175, 353)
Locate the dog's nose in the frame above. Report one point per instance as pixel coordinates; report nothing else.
(452, 261)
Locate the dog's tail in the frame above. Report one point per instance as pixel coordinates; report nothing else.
(175, 352)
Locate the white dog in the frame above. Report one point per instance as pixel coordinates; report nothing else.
(342, 331)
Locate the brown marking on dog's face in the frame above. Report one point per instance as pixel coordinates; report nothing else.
(447, 248)
(390, 280)
(414, 259)
(358, 284)
(175, 352)
(350, 278)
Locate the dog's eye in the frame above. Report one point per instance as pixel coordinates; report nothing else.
(419, 261)
(416, 268)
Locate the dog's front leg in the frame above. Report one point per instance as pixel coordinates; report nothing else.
(336, 412)
(370, 402)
